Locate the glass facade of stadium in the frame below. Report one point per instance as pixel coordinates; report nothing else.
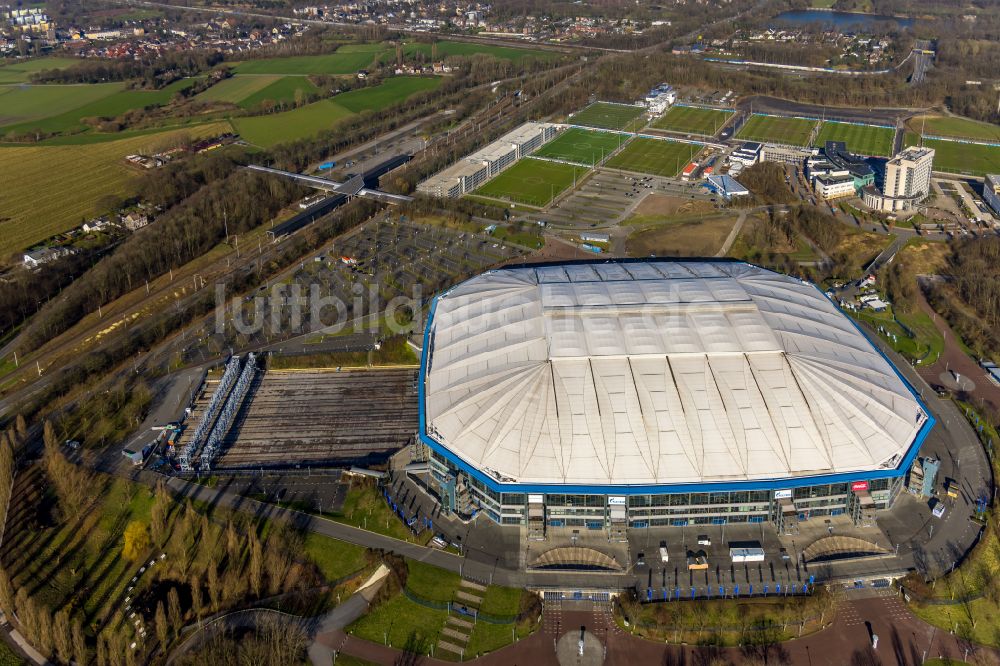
(464, 494)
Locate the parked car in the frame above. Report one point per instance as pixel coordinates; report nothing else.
(938, 509)
(664, 556)
(640, 560)
(704, 540)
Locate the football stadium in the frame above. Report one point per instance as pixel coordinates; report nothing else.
(631, 394)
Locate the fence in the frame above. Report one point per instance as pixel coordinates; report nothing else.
(447, 606)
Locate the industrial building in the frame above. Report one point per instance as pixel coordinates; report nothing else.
(629, 394)
(991, 193)
(474, 170)
(748, 154)
(834, 172)
(906, 182)
(727, 186)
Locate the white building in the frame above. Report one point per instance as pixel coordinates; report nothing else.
(907, 181)
(991, 192)
(748, 154)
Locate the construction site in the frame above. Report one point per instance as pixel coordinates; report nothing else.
(255, 419)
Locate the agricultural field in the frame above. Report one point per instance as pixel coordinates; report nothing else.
(776, 129)
(100, 100)
(20, 72)
(605, 115)
(31, 103)
(654, 156)
(447, 48)
(860, 139)
(283, 89)
(959, 128)
(389, 92)
(347, 59)
(965, 158)
(533, 182)
(582, 146)
(235, 89)
(693, 120)
(80, 176)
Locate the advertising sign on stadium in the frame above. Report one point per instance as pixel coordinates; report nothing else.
(616, 501)
(783, 494)
(859, 486)
(536, 499)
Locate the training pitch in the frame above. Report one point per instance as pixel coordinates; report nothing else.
(533, 182)
(609, 116)
(582, 146)
(654, 156)
(860, 139)
(965, 158)
(693, 120)
(777, 129)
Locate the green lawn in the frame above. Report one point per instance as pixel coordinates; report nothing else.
(533, 182)
(654, 156)
(446, 48)
(283, 89)
(609, 116)
(275, 128)
(965, 158)
(582, 146)
(334, 558)
(8, 657)
(430, 582)
(400, 623)
(345, 60)
(775, 129)
(693, 120)
(235, 89)
(860, 139)
(365, 507)
(20, 72)
(501, 601)
(389, 92)
(959, 128)
(487, 637)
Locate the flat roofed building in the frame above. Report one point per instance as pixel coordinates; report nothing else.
(907, 181)
(661, 382)
(991, 192)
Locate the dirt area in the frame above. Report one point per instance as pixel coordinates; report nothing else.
(863, 246)
(924, 257)
(666, 205)
(697, 238)
(555, 249)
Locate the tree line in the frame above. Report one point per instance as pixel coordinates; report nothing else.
(149, 72)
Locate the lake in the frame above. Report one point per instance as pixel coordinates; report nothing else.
(839, 20)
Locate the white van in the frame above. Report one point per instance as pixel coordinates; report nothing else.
(664, 557)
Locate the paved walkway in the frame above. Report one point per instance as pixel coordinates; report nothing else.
(328, 636)
(904, 640)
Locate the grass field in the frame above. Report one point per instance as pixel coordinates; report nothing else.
(235, 89)
(533, 182)
(693, 120)
(389, 92)
(283, 89)
(959, 128)
(582, 146)
(111, 102)
(964, 158)
(347, 59)
(30, 103)
(861, 139)
(688, 238)
(400, 623)
(19, 72)
(307, 120)
(775, 129)
(49, 189)
(447, 48)
(609, 116)
(654, 156)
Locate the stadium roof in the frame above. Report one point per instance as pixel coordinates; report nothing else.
(655, 373)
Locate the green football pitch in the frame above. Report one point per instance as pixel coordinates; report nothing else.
(654, 156)
(533, 182)
(582, 146)
(777, 129)
(609, 116)
(965, 158)
(860, 139)
(693, 120)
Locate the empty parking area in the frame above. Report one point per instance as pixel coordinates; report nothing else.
(777, 129)
(610, 116)
(658, 157)
(580, 146)
(693, 120)
(320, 417)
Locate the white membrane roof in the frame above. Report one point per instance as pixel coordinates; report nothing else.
(658, 372)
